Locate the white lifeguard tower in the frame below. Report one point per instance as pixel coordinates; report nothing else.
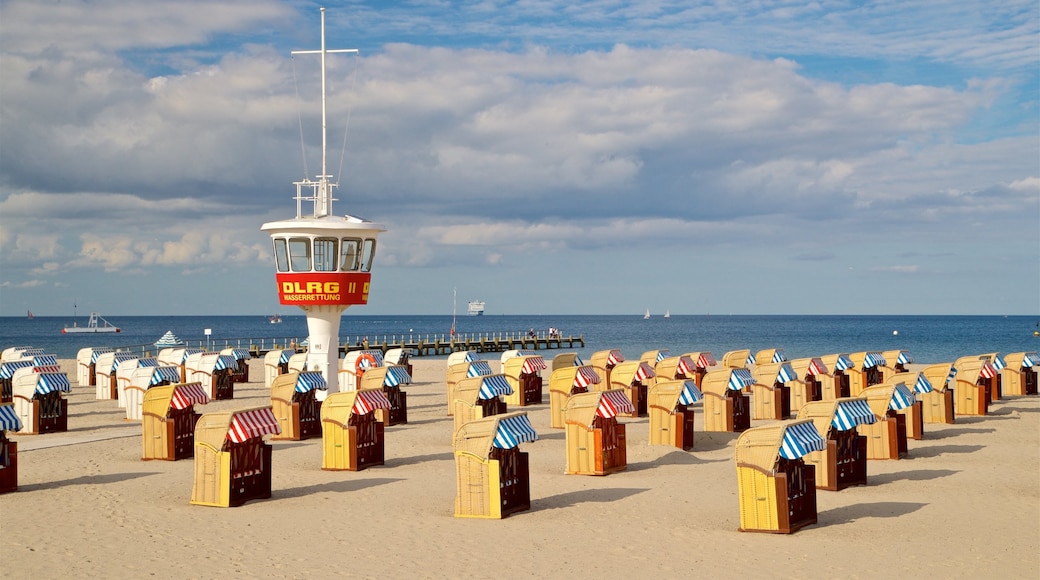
(323, 261)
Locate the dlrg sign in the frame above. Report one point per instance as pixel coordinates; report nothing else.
(323, 288)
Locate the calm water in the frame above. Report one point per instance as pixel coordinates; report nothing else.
(927, 338)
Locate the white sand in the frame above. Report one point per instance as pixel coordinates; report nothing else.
(966, 503)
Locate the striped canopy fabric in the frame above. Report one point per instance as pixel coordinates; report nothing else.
(923, 385)
(493, 386)
(584, 377)
(169, 374)
(1031, 359)
(661, 355)
(225, 361)
(147, 362)
(614, 357)
(740, 378)
(613, 402)
(705, 360)
(643, 372)
(285, 356)
(904, 358)
(479, 368)
(310, 381)
(577, 361)
(9, 420)
(785, 374)
(779, 356)
(7, 369)
(396, 376)
(843, 363)
(873, 359)
(240, 353)
(44, 360)
(800, 439)
(690, 393)
(987, 371)
(30, 353)
(901, 398)
(50, 382)
(376, 354)
(122, 357)
(998, 362)
(47, 369)
(190, 351)
(533, 364)
(98, 351)
(816, 367)
(513, 431)
(750, 359)
(184, 396)
(470, 356)
(849, 414)
(685, 365)
(370, 400)
(246, 425)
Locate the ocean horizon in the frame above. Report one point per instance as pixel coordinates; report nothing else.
(928, 338)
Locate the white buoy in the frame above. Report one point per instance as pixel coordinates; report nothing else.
(895, 333)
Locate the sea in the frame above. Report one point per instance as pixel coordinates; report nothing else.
(928, 339)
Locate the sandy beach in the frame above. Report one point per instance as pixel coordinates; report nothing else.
(965, 503)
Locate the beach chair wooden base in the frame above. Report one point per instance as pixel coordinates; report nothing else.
(770, 402)
(299, 420)
(231, 478)
(779, 502)
(169, 438)
(1019, 382)
(50, 414)
(803, 392)
(937, 407)
(8, 465)
(598, 451)
(530, 390)
(492, 488)
(836, 386)
(914, 420)
(6, 391)
(729, 414)
(223, 386)
(886, 438)
(844, 462)
(993, 389)
(354, 447)
(637, 394)
(971, 400)
(672, 429)
(558, 406)
(397, 414)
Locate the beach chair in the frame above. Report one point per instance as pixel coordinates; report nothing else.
(937, 405)
(354, 364)
(775, 487)
(142, 379)
(703, 361)
(995, 382)
(770, 396)
(865, 371)
(168, 421)
(390, 379)
(492, 474)
(604, 362)
(276, 362)
(675, 368)
(86, 361)
(399, 356)
(9, 421)
(123, 370)
(971, 386)
(565, 382)
(240, 373)
(634, 378)
(771, 355)
(38, 400)
(843, 462)
(7, 370)
(1020, 373)
(17, 353)
(726, 407)
(106, 385)
(298, 362)
(835, 383)
(738, 359)
(216, 373)
(886, 437)
(652, 357)
(670, 406)
(460, 370)
(352, 437)
(525, 378)
(806, 386)
(896, 361)
(296, 405)
(232, 461)
(566, 359)
(479, 397)
(914, 413)
(595, 441)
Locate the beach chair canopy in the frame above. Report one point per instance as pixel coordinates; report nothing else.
(672, 393)
(7, 369)
(504, 431)
(238, 353)
(801, 439)
(284, 356)
(613, 402)
(190, 351)
(9, 420)
(31, 353)
(160, 374)
(995, 359)
(762, 447)
(610, 357)
(121, 357)
(147, 362)
(51, 382)
(255, 423)
(461, 357)
(219, 362)
(396, 376)
(888, 396)
(809, 367)
(901, 357)
(45, 360)
(188, 394)
(922, 384)
(514, 430)
(585, 376)
(309, 381)
(533, 364)
(703, 359)
(740, 378)
(868, 360)
(837, 362)
(775, 355)
(97, 351)
(368, 400)
(848, 413)
(479, 368)
(655, 356)
(492, 386)
(690, 394)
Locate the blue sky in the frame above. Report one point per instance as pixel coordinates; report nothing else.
(543, 156)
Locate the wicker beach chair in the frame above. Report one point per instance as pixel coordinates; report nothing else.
(565, 382)
(492, 474)
(9, 421)
(886, 437)
(460, 370)
(352, 438)
(633, 377)
(844, 461)
(1020, 373)
(770, 396)
(168, 420)
(296, 405)
(834, 384)
(39, 401)
(670, 406)
(726, 407)
(390, 378)
(524, 374)
(479, 397)
(232, 461)
(596, 443)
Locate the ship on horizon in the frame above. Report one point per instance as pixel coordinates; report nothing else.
(476, 308)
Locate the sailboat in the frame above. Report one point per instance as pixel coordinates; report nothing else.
(647, 315)
(667, 313)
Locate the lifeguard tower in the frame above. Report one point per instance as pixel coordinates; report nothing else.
(323, 261)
